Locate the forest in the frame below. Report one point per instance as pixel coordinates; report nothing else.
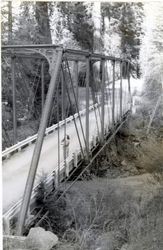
(108, 28)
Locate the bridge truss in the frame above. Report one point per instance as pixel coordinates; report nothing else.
(95, 114)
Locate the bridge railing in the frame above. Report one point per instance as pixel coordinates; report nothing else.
(81, 83)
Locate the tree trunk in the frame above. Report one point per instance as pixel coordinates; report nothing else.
(9, 22)
(96, 15)
(42, 18)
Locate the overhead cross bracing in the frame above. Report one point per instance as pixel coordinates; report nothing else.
(105, 100)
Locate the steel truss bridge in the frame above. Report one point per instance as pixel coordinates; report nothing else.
(100, 104)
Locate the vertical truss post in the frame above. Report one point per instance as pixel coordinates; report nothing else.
(129, 85)
(63, 96)
(76, 81)
(58, 118)
(120, 97)
(103, 101)
(42, 85)
(14, 99)
(113, 95)
(38, 145)
(64, 116)
(87, 103)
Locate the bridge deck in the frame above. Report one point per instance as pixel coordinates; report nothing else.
(16, 168)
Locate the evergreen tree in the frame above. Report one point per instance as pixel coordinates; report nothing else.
(125, 19)
(7, 20)
(25, 32)
(152, 52)
(110, 22)
(43, 33)
(78, 22)
(130, 29)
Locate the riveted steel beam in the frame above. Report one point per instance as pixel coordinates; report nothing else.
(14, 99)
(38, 145)
(87, 104)
(103, 101)
(113, 95)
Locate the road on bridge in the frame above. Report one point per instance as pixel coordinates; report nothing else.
(16, 168)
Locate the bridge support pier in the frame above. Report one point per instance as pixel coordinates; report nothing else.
(6, 226)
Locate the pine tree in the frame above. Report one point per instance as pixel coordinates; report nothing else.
(26, 25)
(43, 33)
(122, 24)
(152, 53)
(78, 22)
(7, 20)
(110, 22)
(130, 29)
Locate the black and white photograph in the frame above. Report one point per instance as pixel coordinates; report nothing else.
(81, 125)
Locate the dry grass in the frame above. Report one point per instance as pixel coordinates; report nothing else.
(108, 215)
(151, 156)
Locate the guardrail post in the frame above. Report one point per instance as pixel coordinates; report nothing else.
(38, 145)
(87, 104)
(75, 158)
(14, 99)
(113, 95)
(121, 68)
(42, 85)
(103, 101)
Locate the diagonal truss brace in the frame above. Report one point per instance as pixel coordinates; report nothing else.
(38, 145)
